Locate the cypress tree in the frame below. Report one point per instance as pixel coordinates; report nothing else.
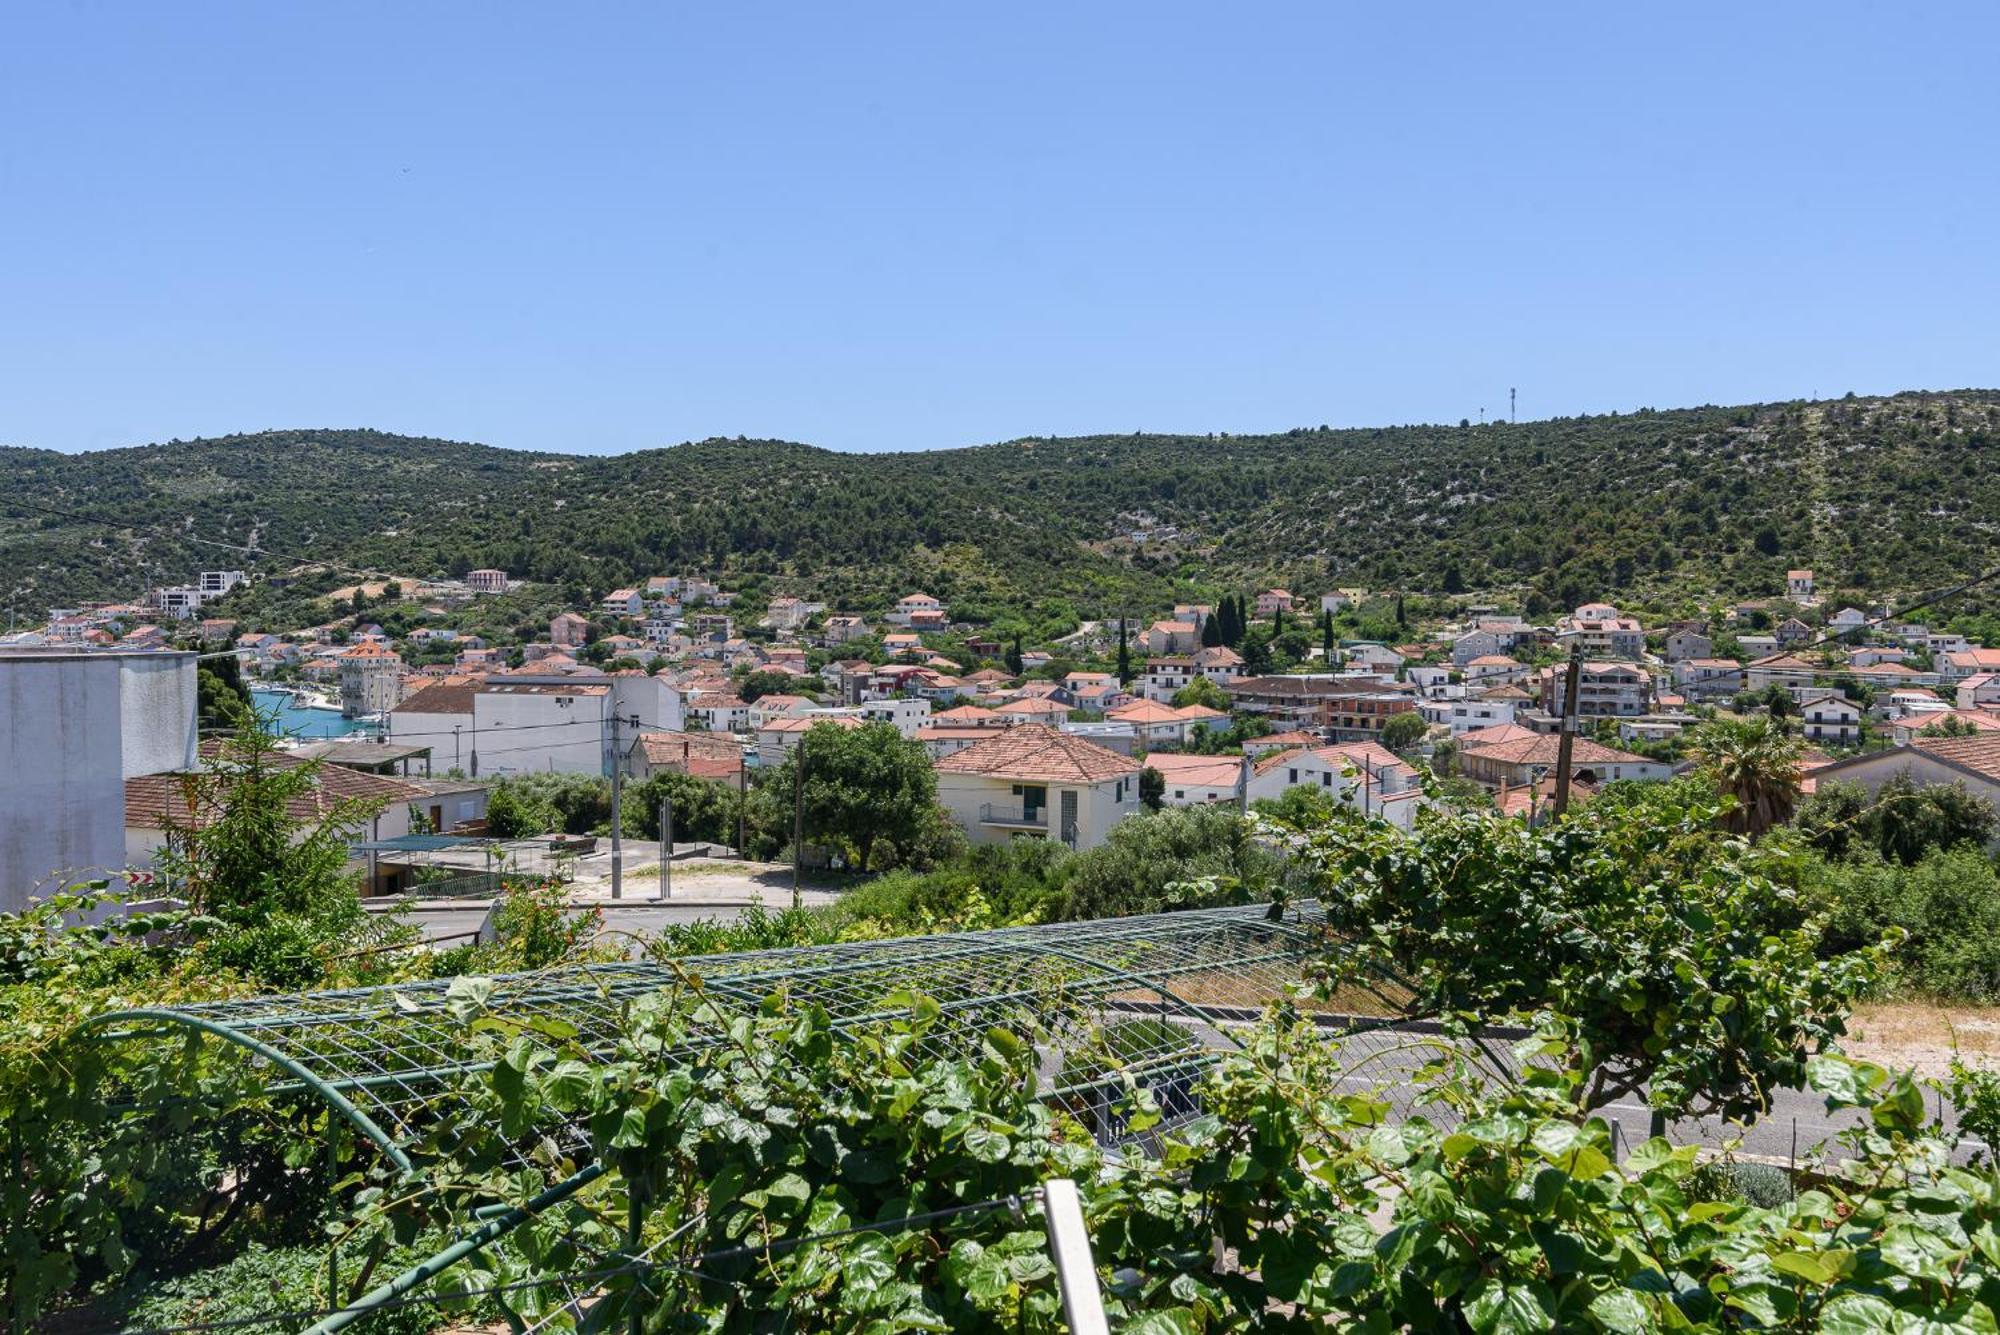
(1124, 654)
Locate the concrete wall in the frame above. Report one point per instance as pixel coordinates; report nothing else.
(73, 727)
(529, 733)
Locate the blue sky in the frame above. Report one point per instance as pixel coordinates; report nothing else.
(875, 226)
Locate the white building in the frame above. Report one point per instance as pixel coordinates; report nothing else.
(1031, 781)
(1198, 780)
(73, 727)
(371, 680)
(1362, 775)
(1831, 719)
(1604, 631)
(486, 581)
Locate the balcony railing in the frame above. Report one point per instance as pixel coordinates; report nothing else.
(1009, 814)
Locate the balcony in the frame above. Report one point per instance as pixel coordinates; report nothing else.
(1012, 816)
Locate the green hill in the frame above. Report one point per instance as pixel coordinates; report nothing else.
(1876, 494)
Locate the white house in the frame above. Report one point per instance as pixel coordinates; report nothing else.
(1980, 691)
(1799, 585)
(1794, 674)
(1488, 709)
(1362, 775)
(623, 603)
(1830, 718)
(1604, 631)
(919, 610)
(1847, 618)
(1708, 678)
(1494, 670)
(1198, 780)
(1032, 781)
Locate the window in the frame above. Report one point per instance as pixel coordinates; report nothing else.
(1179, 793)
(1295, 776)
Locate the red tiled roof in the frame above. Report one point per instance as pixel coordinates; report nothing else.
(1037, 754)
(1200, 771)
(152, 801)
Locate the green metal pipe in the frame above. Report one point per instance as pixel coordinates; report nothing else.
(360, 1120)
(492, 1230)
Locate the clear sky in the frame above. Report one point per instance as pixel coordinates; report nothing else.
(889, 226)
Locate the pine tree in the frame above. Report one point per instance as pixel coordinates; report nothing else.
(1326, 634)
(1211, 629)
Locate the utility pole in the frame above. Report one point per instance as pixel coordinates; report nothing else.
(617, 816)
(1510, 407)
(454, 744)
(1567, 741)
(742, 800)
(798, 818)
(666, 846)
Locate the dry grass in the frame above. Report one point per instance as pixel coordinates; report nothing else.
(1924, 1035)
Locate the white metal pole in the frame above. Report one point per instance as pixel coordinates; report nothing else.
(1076, 1270)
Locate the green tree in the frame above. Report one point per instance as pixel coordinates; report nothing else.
(1180, 857)
(765, 682)
(1404, 731)
(1014, 657)
(1202, 691)
(1256, 652)
(1677, 960)
(1124, 653)
(1754, 762)
(1152, 788)
(863, 787)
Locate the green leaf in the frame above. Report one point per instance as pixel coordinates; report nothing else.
(986, 1144)
(1622, 1310)
(1856, 1314)
(1498, 1308)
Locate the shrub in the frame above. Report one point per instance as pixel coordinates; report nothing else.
(1949, 904)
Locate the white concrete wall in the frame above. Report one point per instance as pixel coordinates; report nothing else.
(528, 733)
(73, 727)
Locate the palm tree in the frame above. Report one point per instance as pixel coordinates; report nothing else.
(1756, 762)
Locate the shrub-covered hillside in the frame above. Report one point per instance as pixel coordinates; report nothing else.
(1876, 494)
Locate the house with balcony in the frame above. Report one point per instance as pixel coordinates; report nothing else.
(1794, 674)
(1033, 781)
(1604, 632)
(1603, 690)
(918, 610)
(1830, 718)
(1799, 585)
(622, 603)
(1273, 601)
(1708, 678)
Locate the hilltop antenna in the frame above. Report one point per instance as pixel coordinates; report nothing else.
(1482, 415)
(1510, 407)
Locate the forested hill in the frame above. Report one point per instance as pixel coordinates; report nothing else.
(1877, 494)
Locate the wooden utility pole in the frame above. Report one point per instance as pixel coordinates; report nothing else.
(1566, 742)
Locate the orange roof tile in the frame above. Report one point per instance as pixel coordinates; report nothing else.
(1037, 754)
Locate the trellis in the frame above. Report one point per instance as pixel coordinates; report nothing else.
(1148, 998)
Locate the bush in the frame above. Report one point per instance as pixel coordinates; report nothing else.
(1949, 904)
(1185, 857)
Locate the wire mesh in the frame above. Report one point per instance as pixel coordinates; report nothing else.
(1155, 995)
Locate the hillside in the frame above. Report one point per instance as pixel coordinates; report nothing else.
(1878, 495)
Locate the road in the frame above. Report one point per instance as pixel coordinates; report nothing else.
(702, 890)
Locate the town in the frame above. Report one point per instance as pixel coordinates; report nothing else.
(1238, 701)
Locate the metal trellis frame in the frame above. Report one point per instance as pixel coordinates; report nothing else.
(1150, 999)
